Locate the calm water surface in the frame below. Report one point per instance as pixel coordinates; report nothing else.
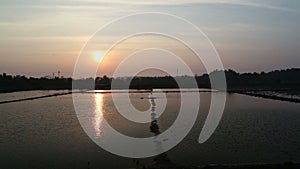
(46, 133)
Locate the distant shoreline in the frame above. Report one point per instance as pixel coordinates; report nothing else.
(274, 80)
(248, 92)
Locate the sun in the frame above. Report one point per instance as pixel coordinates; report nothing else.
(97, 56)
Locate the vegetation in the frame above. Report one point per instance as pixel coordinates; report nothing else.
(274, 80)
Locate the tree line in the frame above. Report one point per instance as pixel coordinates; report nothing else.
(275, 80)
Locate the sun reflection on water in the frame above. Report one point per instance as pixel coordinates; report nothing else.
(98, 114)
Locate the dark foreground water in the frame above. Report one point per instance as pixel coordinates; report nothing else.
(46, 133)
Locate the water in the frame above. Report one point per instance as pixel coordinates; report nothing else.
(46, 133)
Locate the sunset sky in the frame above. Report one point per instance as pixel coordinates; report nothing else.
(39, 37)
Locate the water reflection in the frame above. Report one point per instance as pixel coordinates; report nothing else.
(252, 130)
(162, 159)
(98, 114)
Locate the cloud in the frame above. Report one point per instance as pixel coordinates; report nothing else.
(101, 4)
(260, 4)
(252, 3)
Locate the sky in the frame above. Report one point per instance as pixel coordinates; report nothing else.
(41, 37)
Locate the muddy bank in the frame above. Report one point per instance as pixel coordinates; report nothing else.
(266, 96)
(35, 98)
